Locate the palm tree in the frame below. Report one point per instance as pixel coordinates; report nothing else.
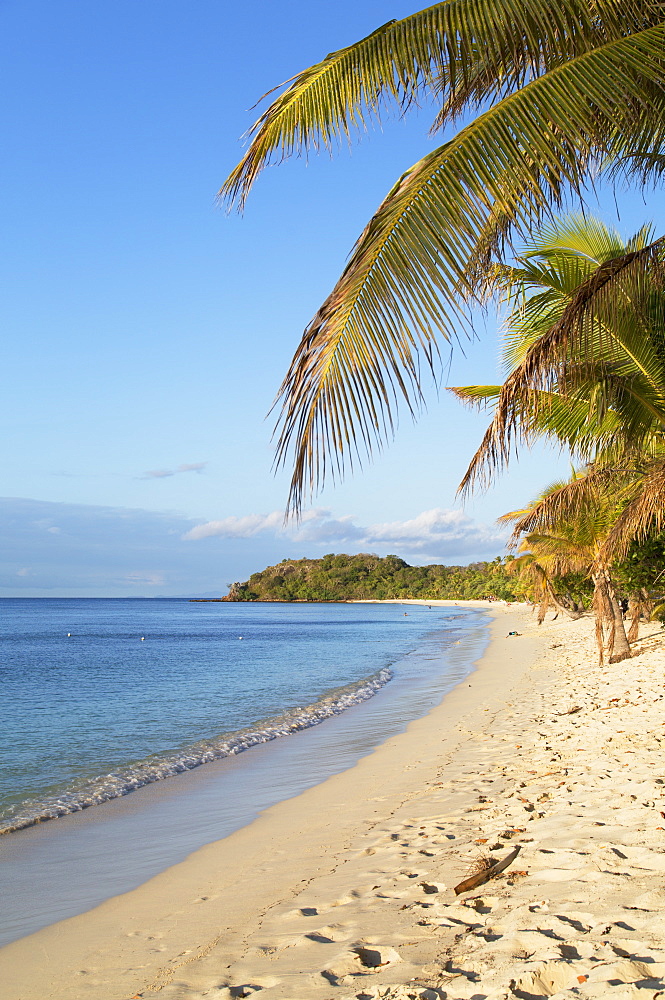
(584, 350)
(576, 543)
(538, 570)
(542, 94)
(585, 361)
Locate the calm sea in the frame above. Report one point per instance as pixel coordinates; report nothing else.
(104, 697)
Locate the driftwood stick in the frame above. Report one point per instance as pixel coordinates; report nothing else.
(475, 880)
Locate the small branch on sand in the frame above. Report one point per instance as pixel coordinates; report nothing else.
(487, 873)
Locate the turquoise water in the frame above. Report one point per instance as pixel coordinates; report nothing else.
(102, 697)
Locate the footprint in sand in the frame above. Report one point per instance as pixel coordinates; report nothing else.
(362, 958)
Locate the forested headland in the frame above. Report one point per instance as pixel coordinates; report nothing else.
(367, 577)
(510, 578)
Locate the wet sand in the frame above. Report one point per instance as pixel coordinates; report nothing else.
(347, 890)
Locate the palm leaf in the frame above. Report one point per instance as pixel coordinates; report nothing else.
(578, 236)
(410, 265)
(644, 510)
(559, 554)
(476, 396)
(606, 318)
(463, 50)
(571, 503)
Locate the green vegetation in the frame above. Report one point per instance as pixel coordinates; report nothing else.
(537, 99)
(532, 103)
(369, 577)
(585, 356)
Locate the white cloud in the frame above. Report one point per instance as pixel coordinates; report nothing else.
(192, 467)
(428, 524)
(237, 527)
(165, 473)
(445, 531)
(47, 524)
(438, 533)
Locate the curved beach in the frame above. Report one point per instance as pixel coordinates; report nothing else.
(347, 890)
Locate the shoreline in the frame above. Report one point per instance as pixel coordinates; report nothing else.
(74, 860)
(239, 851)
(347, 890)
(440, 603)
(115, 786)
(39, 807)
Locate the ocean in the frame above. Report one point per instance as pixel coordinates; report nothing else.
(162, 698)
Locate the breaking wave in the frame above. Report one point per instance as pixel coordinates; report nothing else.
(145, 772)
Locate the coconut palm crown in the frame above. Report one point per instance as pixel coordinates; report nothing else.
(583, 350)
(536, 97)
(584, 354)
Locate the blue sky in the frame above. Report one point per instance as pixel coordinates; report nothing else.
(146, 331)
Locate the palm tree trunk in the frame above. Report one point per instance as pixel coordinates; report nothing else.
(634, 613)
(542, 607)
(608, 616)
(562, 607)
(640, 606)
(549, 597)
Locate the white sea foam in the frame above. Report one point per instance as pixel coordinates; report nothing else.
(112, 786)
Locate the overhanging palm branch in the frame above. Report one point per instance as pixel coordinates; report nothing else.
(568, 85)
(465, 51)
(416, 257)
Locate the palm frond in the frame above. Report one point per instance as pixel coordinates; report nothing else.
(643, 512)
(407, 273)
(463, 51)
(477, 396)
(606, 319)
(560, 555)
(587, 497)
(579, 236)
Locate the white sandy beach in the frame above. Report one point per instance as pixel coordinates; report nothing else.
(347, 890)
